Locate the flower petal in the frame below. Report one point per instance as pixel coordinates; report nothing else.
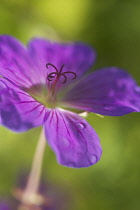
(15, 62)
(73, 140)
(109, 91)
(19, 111)
(75, 57)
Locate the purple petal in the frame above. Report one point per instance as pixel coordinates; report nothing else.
(19, 111)
(109, 91)
(75, 57)
(73, 140)
(15, 62)
(26, 68)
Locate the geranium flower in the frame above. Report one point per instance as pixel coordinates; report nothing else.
(46, 84)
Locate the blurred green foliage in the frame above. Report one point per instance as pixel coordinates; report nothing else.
(113, 28)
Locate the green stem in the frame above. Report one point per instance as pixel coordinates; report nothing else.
(31, 191)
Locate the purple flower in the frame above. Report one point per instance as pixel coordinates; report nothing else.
(41, 82)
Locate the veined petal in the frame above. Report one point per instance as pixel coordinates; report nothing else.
(15, 62)
(109, 91)
(73, 140)
(75, 57)
(19, 111)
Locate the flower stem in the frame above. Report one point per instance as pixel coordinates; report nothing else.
(31, 190)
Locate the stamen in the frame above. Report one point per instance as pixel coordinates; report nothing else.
(50, 76)
(65, 78)
(49, 64)
(61, 69)
(59, 73)
(75, 75)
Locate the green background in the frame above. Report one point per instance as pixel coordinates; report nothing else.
(112, 27)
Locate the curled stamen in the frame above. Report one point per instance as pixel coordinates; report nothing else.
(61, 69)
(59, 73)
(51, 76)
(50, 64)
(65, 78)
(75, 75)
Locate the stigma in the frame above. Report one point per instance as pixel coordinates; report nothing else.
(55, 80)
(55, 76)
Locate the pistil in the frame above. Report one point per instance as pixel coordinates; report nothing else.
(54, 82)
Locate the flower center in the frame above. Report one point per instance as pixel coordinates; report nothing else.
(55, 80)
(48, 94)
